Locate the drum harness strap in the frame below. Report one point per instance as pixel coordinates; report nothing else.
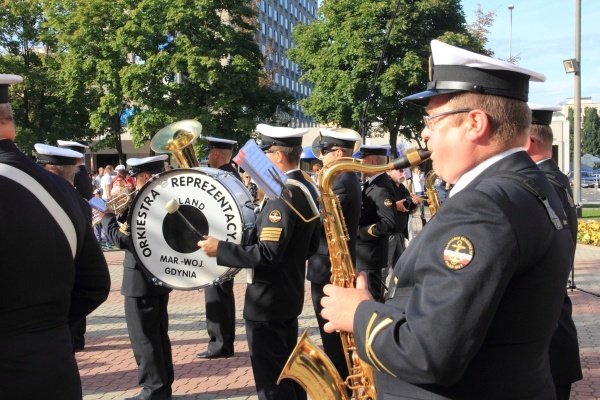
(57, 212)
(526, 183)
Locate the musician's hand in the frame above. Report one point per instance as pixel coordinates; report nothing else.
(340, 304)
(209, 246)
(416, 199)
(401, 205)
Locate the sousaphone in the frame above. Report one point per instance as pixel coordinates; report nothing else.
(178, 139)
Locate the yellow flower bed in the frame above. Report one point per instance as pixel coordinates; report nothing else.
(588, 232)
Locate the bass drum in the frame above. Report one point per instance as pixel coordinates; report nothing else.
(215, 202)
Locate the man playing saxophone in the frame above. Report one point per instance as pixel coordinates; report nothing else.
(471, 312)
(333, 144)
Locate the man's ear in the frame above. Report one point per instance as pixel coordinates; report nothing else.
(478, 124)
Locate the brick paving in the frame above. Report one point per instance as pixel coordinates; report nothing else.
(108, 370)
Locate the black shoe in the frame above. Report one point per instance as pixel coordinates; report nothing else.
(207, 355)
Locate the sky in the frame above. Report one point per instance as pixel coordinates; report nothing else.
(543, 35)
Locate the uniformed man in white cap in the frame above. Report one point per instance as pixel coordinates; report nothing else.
(82, 181)
(219, 299)
(378, 220)
(332, 145)
(475, 298)
(65, 162)
(54, 272)
(59, 161)
(285, 239)
(145, 303)
(564, 347)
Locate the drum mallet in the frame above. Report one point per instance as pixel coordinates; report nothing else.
(172, 207)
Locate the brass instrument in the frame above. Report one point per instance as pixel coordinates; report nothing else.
(308, 365)
(117, 205)
(433, 196)
(178, 139)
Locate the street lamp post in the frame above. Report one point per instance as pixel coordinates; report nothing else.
(510, 8)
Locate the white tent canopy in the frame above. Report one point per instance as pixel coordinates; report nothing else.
(590, 160)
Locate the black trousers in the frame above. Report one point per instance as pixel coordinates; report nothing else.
(220, 317)
(148, 326)
(270, 344)
(332, 342)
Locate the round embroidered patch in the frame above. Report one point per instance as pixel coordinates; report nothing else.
(275, 216)
(458, 252)
(387, 203)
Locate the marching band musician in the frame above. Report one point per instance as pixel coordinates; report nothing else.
(45, 290)
(219, 299)
(378, 220)
(82, 181)
(277, 258)
(333, 144)
(472, 309)
(564, 347)
(145, 303)
(67, 162)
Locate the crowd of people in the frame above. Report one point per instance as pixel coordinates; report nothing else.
(476, 305)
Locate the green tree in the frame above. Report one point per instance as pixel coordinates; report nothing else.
(42, 111)
(590, 132)
(165, 61)
(339, 53)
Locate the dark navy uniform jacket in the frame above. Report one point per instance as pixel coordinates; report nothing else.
(283, 244)
(477, 297)
(564, 347)
(43, 286)
(378, 220)
(83, 183)
(347, 188)
(136, 282)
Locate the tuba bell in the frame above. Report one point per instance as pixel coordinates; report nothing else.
(178, 139)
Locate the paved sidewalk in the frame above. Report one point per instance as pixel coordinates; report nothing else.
(108, 370)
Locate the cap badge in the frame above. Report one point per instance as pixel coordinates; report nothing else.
(458, 253)
(275, 216)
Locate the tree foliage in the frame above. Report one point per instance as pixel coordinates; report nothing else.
(339, 54)
(42, 111)
(157, 61)
(590, 132)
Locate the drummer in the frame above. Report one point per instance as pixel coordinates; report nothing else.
(145, 303)
(219, 299)
(287, 233)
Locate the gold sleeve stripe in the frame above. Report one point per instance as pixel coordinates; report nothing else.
(368, 334)
(369, 347)
(370, 231)
(270, 234)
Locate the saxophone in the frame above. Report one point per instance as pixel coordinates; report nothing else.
(433, 197)
(308, 364)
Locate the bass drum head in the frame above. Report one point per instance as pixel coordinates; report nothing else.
(213, 201)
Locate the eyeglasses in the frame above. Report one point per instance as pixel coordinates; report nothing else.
(326, 150)
(269, 151)
(429, 118)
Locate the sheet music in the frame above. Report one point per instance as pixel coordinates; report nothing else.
(262, 170)
(98, 204)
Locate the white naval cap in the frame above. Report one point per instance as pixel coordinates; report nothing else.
(375, 150)
(541, 114)
(55, 155)
(68, 144)
(342, 137)
(5, 81)
(279, 136)
(120, 167)
(152, 164)
(219, 143)
(456, 70)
